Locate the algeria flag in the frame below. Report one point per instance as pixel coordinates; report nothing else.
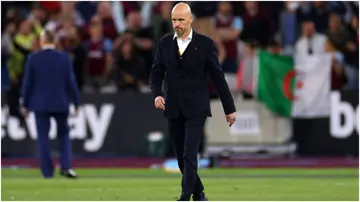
(293, 87)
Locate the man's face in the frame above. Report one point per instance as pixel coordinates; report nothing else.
(67, 7)
(134, 19)
(308, 29)
(71, 33)
(355, 22)
(104, 9)
(251, 5)
(25, 27)
(225, 7)
(95, 27)
(334, 22)
(181, 22)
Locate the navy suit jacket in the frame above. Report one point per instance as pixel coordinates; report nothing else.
(187, 88)
(49, 83)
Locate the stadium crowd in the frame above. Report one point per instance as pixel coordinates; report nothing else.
(112, 44)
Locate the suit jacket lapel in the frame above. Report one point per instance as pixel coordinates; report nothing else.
(174, 50)
(191, 50)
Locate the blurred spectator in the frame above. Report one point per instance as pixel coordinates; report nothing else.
(204, 12)
(204, 9)
(15, 15)
(62, 20)
(352, 54)
(6, 51)
(68, 9)
(229, 28)
(161, 23)
(257, 24)
(108, 24)
(67, 22)
(338, 78)
(338, 34)
(310, 41)
(144, 39)
(53, 21)
(288, 26)
(99, 60)
(22, 47)
(130, 67)
(320, 14)
(72, 45)
(122, 10)
(6, 41)
(38, 14)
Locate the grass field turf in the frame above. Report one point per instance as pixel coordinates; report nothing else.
(220, 185)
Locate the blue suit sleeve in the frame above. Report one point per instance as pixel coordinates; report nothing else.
(28, 82)
(71, 82)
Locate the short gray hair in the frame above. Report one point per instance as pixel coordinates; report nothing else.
(48, 36)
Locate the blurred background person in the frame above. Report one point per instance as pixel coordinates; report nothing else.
(228, 28)
(310, 42)
(337, 32)
(256, 19)
(317, 12)
(6, 52)
(338, 77)
(204, 12)
(288, 26)
(161, 22)
(106, 19)
(72, 45)
(351, 54)
(143, 38)
(22, 45)
(99, 59)
(68, 8)
(130, 67)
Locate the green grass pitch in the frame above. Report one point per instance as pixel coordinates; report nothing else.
(243, 184)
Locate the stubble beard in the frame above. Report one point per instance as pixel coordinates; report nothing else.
(180, 32)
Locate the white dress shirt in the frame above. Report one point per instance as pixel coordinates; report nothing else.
(183, 44)
(48, 46)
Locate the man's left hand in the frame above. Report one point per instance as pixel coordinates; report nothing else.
(231, 118)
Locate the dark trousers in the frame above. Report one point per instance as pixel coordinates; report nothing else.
(13, 96)
(43, 128)
(186, 135)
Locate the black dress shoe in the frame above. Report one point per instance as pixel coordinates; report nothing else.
(200, 197)
(184, 197)
(70, 173)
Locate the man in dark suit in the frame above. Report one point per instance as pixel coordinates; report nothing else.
(184, 60)
(49, 86)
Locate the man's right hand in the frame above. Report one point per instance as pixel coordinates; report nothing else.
(160, 103)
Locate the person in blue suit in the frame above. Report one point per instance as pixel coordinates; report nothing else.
(49, 86)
